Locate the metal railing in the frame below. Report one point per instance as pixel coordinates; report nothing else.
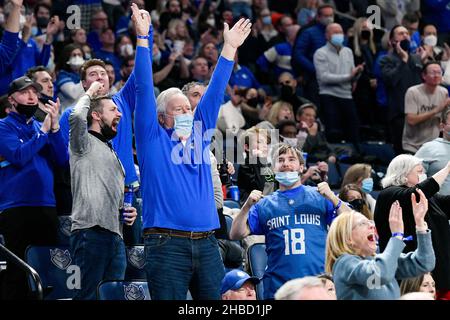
(12, 258)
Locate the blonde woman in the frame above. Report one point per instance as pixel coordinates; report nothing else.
(280, 110)
(358, 272)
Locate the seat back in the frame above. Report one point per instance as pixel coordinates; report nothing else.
(229, 203)
(123, 290)
(135, 263)
(257, 260)
(54, 265)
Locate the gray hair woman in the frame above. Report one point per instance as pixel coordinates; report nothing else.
(404, 174)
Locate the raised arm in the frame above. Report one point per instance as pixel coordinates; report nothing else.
(8, 46)
(78, 135)
(12, 24)
(208, 107)
(240, 228)
(145, 117)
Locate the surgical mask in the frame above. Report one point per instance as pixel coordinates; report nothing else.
(211, 22)
(22, 21)
(42, 22)
(337, 39)
(126, 50)
(2, 18)
(291, 141)
(405, 45)
(183, 124)
(27, 110)
(422, 177)
(34, 31)
(357, 204)
(88, 56)
(107, 131)
(287, 178)
(326, 20)
(75, 62)
(430, 40)
(367, 185)
(365, 34)
(267, 20)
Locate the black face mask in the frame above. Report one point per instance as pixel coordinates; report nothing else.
(405, 45)
(42, 22)
(357, 204)
(107, 131)
(26, 109)
(253, 102)
(286, 91)
(365, 34)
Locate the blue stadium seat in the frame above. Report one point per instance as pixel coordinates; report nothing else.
(65, 223)
(229, 203)
(135, 263)
(123, 290)
(53, 264)
(384, 152)
(257, 260)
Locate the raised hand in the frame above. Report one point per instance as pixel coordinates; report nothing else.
(53, 25)
(94, 89)
(396, 218)
(324, 190)
(141, 20)
(253, 198)
(52, 109)
(235, 36)
(419, 208)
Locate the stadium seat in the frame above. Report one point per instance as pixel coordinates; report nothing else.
(123, 290)
(257, 260)
(229, 203)
(135, 263)
(64, 225)
(53, 264)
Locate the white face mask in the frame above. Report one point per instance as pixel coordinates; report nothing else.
(211, 22)
(2, 18)
(291, 141)
(75, 62)
(430, 40)
(126, 50)
(422, 177)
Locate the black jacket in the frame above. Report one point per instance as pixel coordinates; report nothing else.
(436, 218)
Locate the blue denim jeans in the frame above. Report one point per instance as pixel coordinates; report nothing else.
(100, 255)
(175, 265)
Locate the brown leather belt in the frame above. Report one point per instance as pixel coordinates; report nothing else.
(178, 233)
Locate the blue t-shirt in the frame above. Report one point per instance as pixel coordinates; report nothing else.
(295, 223)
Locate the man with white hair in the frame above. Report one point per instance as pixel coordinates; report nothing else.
(179, 212)
(307, 288)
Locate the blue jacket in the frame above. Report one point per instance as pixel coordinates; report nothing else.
(30, 155)
(306, 44)
(176, 183)
(27, 56)
(8, 48)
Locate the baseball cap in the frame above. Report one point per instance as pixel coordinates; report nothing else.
(234, 279)
(22, 83)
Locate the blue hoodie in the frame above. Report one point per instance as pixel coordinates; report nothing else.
(30, 155)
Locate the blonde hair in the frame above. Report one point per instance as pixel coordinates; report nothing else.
(338, 239)
(357, 27)
(172, 30)
(254, 132)
(355, 172)
(272, 117)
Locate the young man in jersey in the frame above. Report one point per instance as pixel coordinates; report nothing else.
(294, 220)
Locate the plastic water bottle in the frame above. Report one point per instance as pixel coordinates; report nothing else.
(127, 201)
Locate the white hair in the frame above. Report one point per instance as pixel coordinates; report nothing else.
(165, 96)
(293, 288)
(398, 169)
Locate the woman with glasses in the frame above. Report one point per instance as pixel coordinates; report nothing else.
(404, 175)
(358, 272)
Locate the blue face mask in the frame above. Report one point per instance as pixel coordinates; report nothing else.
(267, 20)
(337, 39)
(287, 178)
(183, 124)
(367, 185)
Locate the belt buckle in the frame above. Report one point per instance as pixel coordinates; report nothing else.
(191, 235)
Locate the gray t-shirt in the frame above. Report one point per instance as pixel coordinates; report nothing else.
(418, 101)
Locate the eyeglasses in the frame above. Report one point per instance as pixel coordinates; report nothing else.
(365, 223)
(435, 73)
